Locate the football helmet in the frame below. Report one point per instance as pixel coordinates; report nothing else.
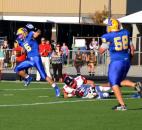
(113, 25)
(22, 31)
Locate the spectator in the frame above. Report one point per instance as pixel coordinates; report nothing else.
(44, 50)
(6, 53)
(56, 58)
(78, 61)
(13, 60)
(94, 46)
(1, 60)
(91, 60)
(65, 51)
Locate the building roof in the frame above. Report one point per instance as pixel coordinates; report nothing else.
(43, 19)
(132, 18)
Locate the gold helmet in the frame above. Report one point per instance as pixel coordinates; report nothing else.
(22, 31)
(113, 25)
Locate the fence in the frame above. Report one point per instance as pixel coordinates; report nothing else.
(100, 68)
(136, 68)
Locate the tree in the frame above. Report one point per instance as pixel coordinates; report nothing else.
(99, 16)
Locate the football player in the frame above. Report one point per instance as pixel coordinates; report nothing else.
(121, 50)
(29, 43)
(83, 88)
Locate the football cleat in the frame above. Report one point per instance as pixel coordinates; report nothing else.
(57, 91)
(119, 107)
(27, 81)
(136, 95)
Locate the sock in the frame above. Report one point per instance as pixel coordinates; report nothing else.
(27, 76)
(54, 85)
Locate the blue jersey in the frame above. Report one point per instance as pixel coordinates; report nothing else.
(118, 44)
(30, 45)
(33, 57)
(84, 90)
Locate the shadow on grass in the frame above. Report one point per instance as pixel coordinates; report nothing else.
(135, 109)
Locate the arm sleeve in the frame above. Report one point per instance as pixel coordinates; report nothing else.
(30, 35)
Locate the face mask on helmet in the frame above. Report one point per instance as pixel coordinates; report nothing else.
(113, 25)
(68, 80)
(22, 32)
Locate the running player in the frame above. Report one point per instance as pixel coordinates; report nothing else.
(29, 43)
(121, 50)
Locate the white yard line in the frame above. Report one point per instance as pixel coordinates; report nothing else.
(43, 96)
(56, 102)
(34, 82)
(8, 94)
(25, 89)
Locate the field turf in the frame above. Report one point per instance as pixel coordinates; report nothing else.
(36, 108)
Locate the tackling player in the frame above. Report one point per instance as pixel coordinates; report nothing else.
(81, 87)
(121, 50)
(28, 42)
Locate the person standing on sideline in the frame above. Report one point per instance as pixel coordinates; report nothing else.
(56, 58)
(44, 50)
(65, 51)
(121, 51)
(29, 43)
(91, 63)
(1, 60)
(78, 61)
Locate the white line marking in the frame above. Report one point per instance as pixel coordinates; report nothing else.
(34, 82)
(8, 94)
(43, 96)
(56, 102)
(24, 89)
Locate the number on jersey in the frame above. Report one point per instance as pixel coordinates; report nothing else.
(27, 47)
(121, 43)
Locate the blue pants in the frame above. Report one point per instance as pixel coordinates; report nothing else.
(118, 71)
(32, 62)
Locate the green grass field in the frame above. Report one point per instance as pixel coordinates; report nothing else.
(36, 108)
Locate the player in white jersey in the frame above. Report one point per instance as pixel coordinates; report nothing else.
(81, 87)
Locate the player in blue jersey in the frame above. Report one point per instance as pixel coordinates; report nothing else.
(121, 51)
(29, 43)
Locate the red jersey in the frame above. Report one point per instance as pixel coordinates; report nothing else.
(20, 56)
(44, 49)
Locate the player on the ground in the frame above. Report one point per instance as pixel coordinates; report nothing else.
(29, 43)
(81, 87)
(121, 50)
